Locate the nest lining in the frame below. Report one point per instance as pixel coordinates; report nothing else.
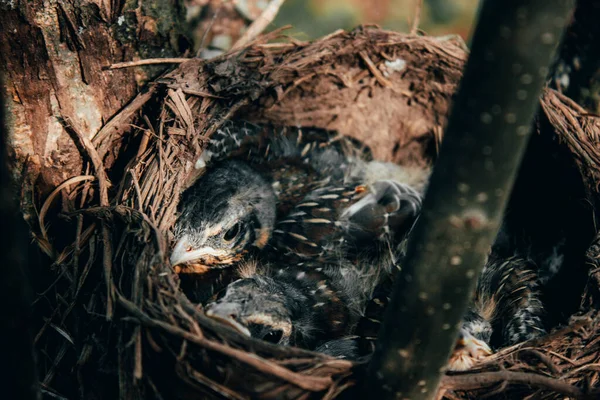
(117, 302)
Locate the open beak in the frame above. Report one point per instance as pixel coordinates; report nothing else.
(216, 313)
(477, 348)
(467, 352)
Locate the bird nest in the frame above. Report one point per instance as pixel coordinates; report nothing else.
(115, 319)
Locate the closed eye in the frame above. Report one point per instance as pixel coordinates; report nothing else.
(232, 233)
(273, 336)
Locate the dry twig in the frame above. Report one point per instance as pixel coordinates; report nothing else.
(259, 25)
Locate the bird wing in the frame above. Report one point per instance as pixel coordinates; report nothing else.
(260, 144)
(336, 221)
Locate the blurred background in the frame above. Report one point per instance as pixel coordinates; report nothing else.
(314, 18)
(219, 23)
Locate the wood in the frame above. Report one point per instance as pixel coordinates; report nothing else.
(484, 142)
(577, 69)
(54, 58)
(19, 377)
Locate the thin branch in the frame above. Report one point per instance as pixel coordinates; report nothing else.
(376, 73)
(259, 25)
(86, 146)
(306, 382)
(51, 196)
(121, 119)
(149, 61)
(485, 139)
(482, 380)
(417, 18)
(209, 28)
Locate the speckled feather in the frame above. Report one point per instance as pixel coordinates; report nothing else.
(309, 304)
(505, 310)
(306, 168)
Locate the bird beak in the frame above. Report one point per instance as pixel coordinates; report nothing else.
(467, 352)
(180, 253)
(185, 253)
(223, 313)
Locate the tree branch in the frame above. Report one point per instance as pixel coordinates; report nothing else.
(484, 142)
(482, 380)
(576, 71)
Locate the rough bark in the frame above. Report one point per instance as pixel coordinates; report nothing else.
(577, 69)
(19, 378)
(485, 138)
(54, 54)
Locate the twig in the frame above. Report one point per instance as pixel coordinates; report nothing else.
(121, 119)
(259, 25)
(209, 28)
(146, 138)
(306, 382)
(544, 359)
(107, 263)
(191, 373)
(417, 17)
(593, 366)
(86, 146)
(199, 93)
(149, 61)
(376, 73)
(138, 191)
(481, 380)
(51, 196)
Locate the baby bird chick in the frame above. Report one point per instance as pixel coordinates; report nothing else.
(227, 212)
(303, 306)
(505, 310)
(330, 195)
(354, 219)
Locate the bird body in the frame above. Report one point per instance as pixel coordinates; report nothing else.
(303, 305)
(321, 188)
(351, 218)
(505, 310)
(328, 223)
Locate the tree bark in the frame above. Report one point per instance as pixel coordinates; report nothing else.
(19, 378)
(53, 55)
(577, 69)
(485, 138)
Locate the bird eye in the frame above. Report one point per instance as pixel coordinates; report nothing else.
(273, 336)
(189, 248)
(232, 233)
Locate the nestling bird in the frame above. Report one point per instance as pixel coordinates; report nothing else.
(318, 186)
(298, 305)
(506, 309)
(229, 211)
(336, 222)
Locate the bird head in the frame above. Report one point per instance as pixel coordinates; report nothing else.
(286, 306)
(224, 214)
(259, 307)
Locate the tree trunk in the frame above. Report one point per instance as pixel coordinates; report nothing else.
(485, 138)
(53, 56)
(18, 379)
